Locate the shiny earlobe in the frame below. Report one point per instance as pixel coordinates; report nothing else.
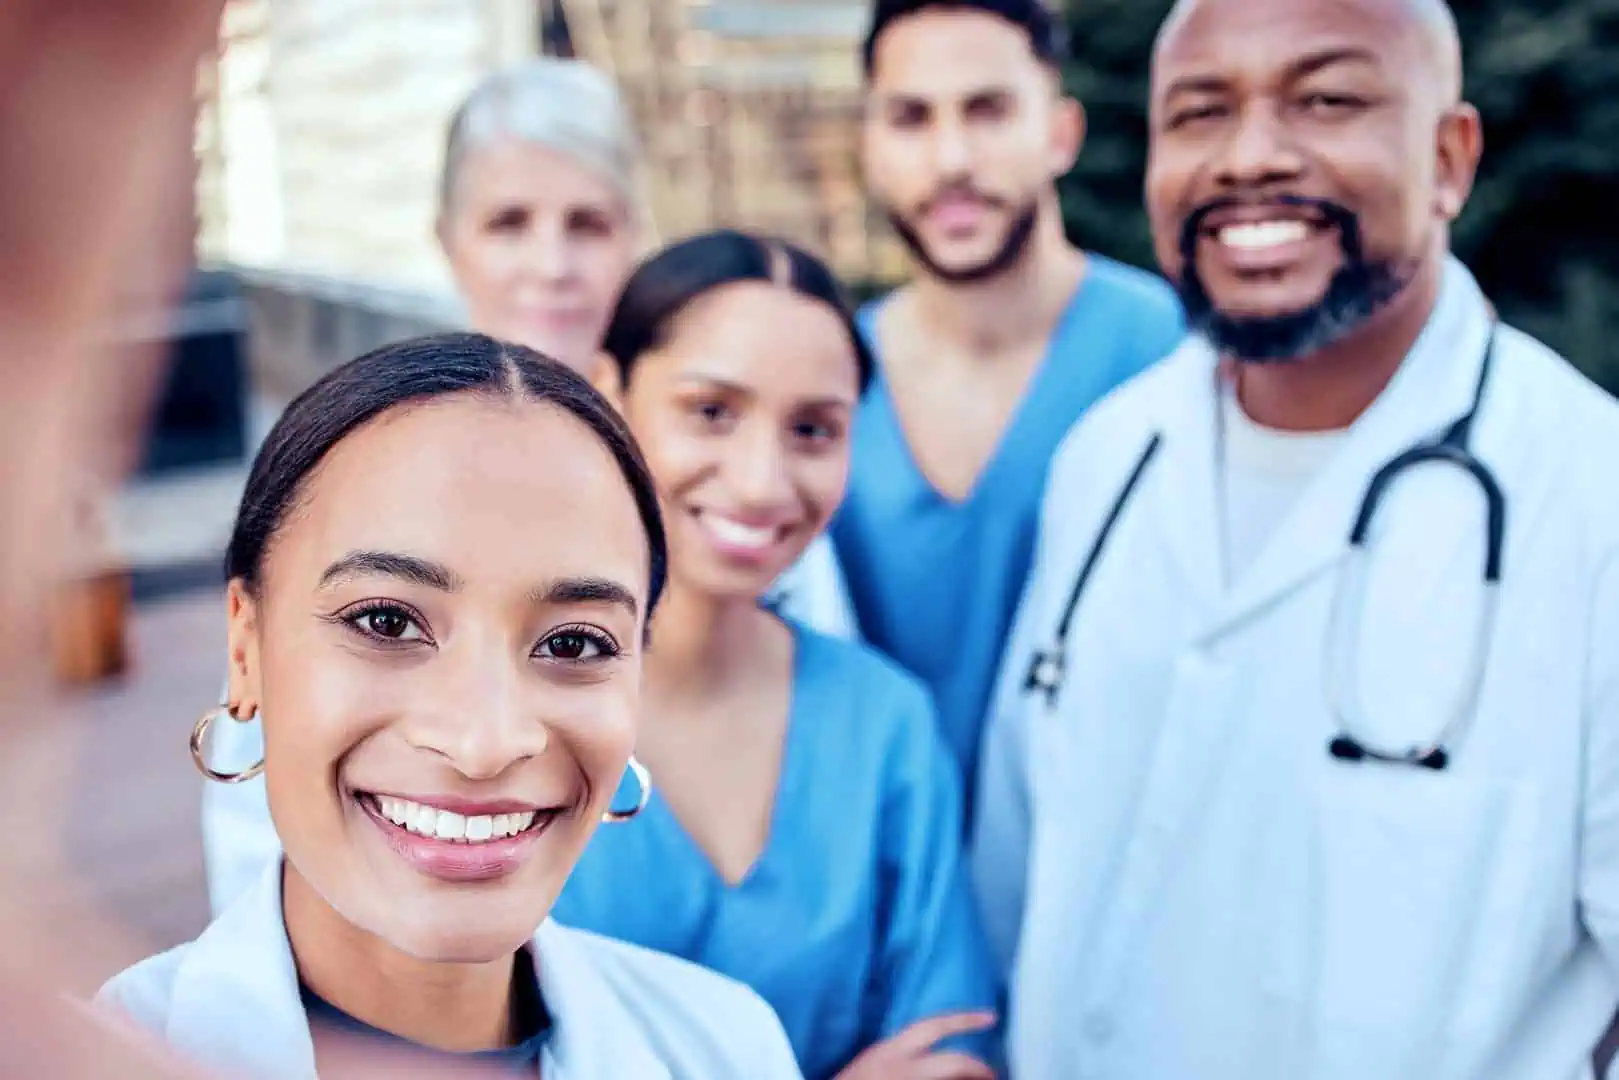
(644, 780)
(199, 735)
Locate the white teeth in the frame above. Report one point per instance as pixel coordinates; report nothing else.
(735, 533)
(445, 825)
(451, 826)
(1251, 236)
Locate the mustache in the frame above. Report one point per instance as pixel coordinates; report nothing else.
(1336, 215)
(962, 190)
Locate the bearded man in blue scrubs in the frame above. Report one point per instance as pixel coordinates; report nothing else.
(1005, 336)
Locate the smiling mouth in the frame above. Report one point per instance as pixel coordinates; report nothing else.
(432, 823)
(1263, 235)
(738, 538)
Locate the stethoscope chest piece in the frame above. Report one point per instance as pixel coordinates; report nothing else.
(1045, 674)
(1345, 748)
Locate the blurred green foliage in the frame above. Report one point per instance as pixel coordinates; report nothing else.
(1542, 228)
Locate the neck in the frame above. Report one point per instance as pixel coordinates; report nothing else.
(1330, 389)
(443, 1006)
(699, 642)
(1018, 307)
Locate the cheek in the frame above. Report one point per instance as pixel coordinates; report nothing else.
(678, 457)
(481, 266)
(892, 170)
(601, 738)
(1164, 193)
(823, 479)
(607, 266)
(317, 704)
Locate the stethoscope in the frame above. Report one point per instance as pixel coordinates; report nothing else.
(1047, 667)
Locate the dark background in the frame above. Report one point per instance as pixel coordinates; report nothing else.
(1541, 231)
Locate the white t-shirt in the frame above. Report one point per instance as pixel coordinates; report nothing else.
(1263, 471)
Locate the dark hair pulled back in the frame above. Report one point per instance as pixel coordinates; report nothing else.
(410, 372)
(664, 284)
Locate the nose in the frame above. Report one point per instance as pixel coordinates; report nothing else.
(758, 471)
(1259, 153)
(952, 149)
(550, 252)
(479, 715)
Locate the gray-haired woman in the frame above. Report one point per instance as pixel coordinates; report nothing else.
(540, 212)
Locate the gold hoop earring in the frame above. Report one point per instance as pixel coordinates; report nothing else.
(644, 780)
(199, 732)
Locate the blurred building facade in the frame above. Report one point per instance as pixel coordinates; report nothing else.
(322, 124)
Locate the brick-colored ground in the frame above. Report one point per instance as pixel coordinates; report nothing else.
(133, 835)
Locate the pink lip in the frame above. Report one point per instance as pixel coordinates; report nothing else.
(957, 214)
(448, 860)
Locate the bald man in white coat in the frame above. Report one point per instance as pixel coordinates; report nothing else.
(1227, 830)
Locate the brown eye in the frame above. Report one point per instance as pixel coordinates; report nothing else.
(579, 646)
(568, 646)
(388, 624)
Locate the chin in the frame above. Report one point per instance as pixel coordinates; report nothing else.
(728, 584)
(450, 933)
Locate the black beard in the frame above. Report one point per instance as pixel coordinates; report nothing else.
(1359, 289)
(1008, 255)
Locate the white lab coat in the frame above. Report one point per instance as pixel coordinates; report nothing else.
(238, 838)
(229, 1001)
(1184, 883)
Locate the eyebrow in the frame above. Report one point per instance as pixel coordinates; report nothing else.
(1298, 69)
(712, 382)
(432, 575)
(1314, 62)
(587, 590)
(409, 568)
(917, 97)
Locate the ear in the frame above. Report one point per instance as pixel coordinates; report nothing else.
(1067, 134)
(1459, 146)
(242, 615)
(607, 380)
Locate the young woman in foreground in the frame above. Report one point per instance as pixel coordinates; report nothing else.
(804, 837)
(440, 578)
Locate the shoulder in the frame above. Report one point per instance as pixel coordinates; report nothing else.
(144, 992)
(1122, 421)
(1570, 424)
(877, 682)
(1133, 285)
(868, 314)
(693, 1017)
(888, 717)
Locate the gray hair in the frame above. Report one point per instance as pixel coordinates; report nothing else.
(564, 105)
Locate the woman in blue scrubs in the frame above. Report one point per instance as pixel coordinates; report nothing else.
(803, 834)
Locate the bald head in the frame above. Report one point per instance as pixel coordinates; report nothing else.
(1426, 29)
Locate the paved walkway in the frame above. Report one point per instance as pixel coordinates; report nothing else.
(134, 833)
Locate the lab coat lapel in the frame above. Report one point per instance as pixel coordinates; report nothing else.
(593, 1038)
(235, 1006)
(1431, 389)
(1187, 517)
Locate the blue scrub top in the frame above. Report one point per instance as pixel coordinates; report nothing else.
(856, 920)
(934, 582)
